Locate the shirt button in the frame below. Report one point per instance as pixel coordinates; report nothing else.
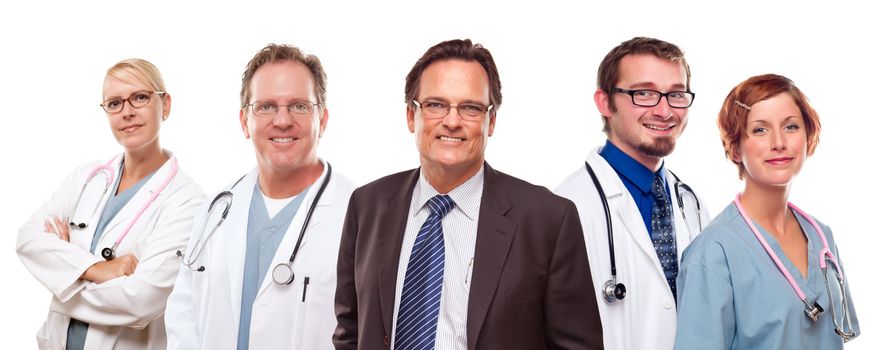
(667, 304)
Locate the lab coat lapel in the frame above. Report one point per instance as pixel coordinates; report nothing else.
(393, 221)
(624, 211)
(495, 232)
(129, 211)
(234, 238)
(285, 249)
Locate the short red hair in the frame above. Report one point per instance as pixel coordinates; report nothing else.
(733, 117)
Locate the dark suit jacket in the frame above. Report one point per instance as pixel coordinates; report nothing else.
(531, 287)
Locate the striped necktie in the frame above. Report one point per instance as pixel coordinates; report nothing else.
(663, 234)
(422, 286)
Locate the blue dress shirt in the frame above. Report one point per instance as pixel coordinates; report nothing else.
(637, 179)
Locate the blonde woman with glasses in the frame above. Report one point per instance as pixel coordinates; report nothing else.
(104, 243)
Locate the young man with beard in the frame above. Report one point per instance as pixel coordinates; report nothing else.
(649, 216)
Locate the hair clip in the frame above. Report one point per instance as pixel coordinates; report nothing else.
(743, 105)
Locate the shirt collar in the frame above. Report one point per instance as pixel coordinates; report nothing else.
(466, 196)
(630, 168)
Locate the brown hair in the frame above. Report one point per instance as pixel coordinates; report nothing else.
(608, 71)
(275, 53)
(455, 49)
(733, 117)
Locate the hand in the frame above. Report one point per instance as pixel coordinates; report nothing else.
(103, 271)
(60, 228)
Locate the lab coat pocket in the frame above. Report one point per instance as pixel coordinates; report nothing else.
(528, 292)
(319, 317)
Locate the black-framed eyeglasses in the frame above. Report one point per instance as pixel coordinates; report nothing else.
(138, 99)
(270, 108)
(434, 109)
(650, 98)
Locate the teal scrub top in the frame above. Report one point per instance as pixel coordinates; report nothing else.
(731, 295)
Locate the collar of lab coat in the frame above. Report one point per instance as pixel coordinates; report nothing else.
(128, 212)
(235, 233)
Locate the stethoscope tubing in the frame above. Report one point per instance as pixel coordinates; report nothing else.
(201, 244)
(610, 242)
(825, 252)
(109, 253)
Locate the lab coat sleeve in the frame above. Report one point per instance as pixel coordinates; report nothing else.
(572, 320)
(180, 316)
(706, 318)
(345, 335)
(138, 299)
(56, 263)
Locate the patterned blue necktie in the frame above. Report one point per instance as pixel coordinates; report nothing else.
(663, 234)
(422, 286)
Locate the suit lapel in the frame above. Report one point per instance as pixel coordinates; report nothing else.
(392, 223)
(495, 233)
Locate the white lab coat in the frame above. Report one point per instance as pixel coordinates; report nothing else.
(646, 318)
(204, 307)
(123, 313)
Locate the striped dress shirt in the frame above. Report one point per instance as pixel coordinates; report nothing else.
(460, 236)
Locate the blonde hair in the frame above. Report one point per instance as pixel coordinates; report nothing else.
(138, 71)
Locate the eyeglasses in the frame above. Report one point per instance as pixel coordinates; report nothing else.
(434, 109)
(650, 98)
(269, 108)
(138, 99)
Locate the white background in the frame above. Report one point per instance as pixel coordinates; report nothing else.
(55, 56)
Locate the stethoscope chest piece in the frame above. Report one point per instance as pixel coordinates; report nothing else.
(613, 291)
(283, 274)
(813, 311)
(108, 254)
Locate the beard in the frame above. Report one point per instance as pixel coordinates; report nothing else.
(661, 147)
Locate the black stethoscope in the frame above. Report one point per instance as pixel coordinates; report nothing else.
(613, 290)
(282, 273)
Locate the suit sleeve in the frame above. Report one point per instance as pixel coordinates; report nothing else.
(138, 299)
(571, 312)
(345, 335)
(55, 263)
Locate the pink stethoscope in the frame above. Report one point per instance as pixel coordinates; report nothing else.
(826, 259)
(108, 253)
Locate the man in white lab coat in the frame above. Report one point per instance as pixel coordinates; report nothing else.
(244, 283)
(643, 96)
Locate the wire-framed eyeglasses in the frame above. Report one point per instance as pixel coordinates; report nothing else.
(270, 108)
(434, 109)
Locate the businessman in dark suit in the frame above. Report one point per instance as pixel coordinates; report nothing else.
(454, 254)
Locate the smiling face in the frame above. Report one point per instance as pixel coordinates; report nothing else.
(774, 147)
(647, 134)
(136, 128)
(452, 143)
(284, 142)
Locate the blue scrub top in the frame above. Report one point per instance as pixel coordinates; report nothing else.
(263, 237)
(731, 295)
